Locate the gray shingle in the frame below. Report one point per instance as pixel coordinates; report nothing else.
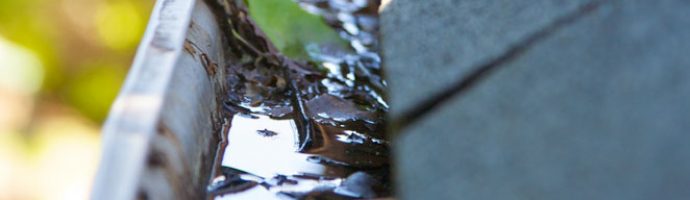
(428, 45)
(598, 110)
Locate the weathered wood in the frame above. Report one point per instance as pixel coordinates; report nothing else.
(161, 134)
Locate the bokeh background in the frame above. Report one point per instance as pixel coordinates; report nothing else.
(61, 65)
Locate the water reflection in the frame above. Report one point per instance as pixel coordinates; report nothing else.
(347, 156)
(266, 156)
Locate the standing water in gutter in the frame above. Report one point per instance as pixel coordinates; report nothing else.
(299, 129)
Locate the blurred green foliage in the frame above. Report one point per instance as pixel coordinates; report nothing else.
(290, 27)
(85, 46)
(61, 65)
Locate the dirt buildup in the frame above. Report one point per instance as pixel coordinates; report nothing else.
(305, 129)
(266, 133)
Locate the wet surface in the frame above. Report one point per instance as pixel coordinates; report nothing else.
(315, 131)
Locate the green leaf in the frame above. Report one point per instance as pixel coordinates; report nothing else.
(290, 28)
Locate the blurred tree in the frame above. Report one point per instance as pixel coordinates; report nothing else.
(61, 65)
(84, 46)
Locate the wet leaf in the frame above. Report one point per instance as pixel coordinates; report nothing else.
(338, 109)
(290, 28)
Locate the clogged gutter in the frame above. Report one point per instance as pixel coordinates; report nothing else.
(304, 129)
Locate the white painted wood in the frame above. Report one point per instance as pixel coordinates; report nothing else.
(159, 138)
